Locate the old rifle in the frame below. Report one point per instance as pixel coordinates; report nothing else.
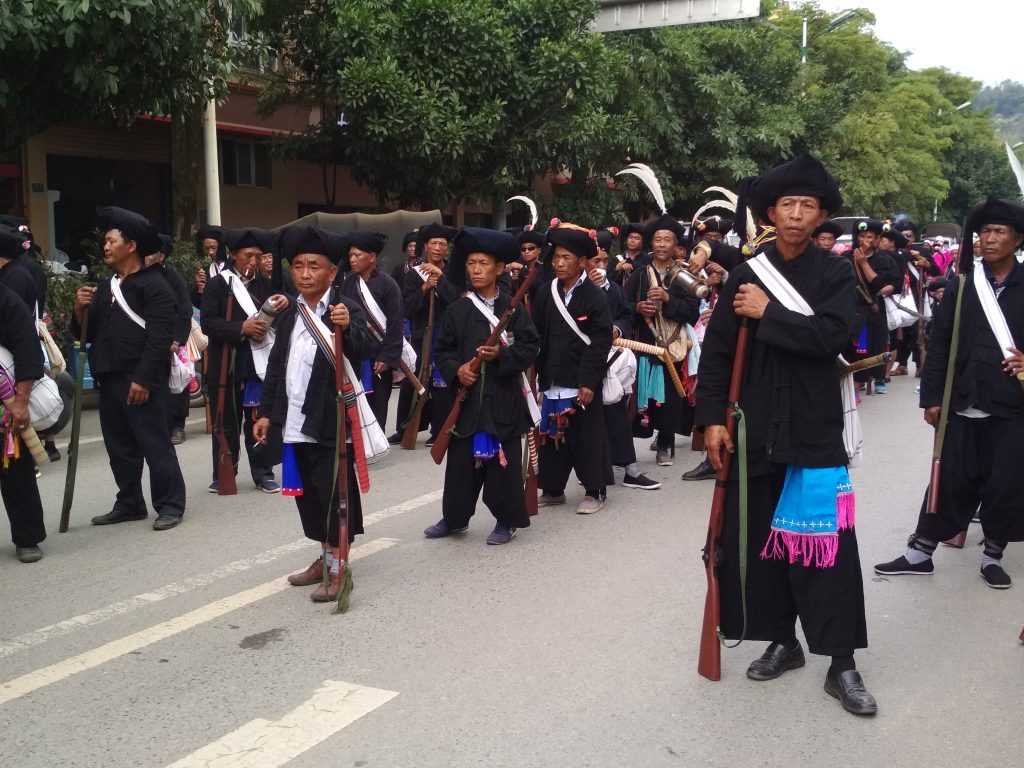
(947, 396)
(76, 428)
(420, 399)
(343, 389)
(225, 462)
(444, 436)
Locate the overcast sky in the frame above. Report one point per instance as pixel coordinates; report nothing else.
(983, 39)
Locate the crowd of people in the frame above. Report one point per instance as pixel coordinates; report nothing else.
(534, 356)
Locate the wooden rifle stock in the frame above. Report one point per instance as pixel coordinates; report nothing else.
(225, 462)
(421, 396)
(444, 436)
(76, 428)
(709, 663)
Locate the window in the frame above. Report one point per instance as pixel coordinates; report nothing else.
(244, 163)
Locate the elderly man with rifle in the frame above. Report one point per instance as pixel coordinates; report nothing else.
(301, 399)
(971, 393)
(575, 326)
(485, 449)
(786, 549)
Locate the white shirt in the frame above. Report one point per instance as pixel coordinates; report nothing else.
(298, 371)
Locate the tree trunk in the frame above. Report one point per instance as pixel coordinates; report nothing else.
(186, 163)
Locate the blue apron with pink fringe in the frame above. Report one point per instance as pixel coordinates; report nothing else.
(814, 506)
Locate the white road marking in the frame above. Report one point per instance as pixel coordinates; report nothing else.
(40, 678)
(98, 616)
(272, 743)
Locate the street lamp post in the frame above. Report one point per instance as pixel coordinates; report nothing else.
(837, 22)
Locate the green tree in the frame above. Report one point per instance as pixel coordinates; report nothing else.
(433, 100)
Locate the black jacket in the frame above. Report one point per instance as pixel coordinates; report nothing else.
(18, 333)
(790, 395)
(978, 376)
(417, 306)
(389, 298)
(213, 318)
(320, 406)
(119, 344)
(564, 359)
(182, 303)
(495, 403)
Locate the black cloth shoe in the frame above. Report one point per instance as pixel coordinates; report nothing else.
(901, 567)
(32, 554)
(51, 451)
(430, 441)
(395, 439)
(849, 689)
(776, 659)
(166, 522)
(995, 576)
(117, 516)
(703, 471)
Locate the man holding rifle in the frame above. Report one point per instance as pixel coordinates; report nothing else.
(799, 558)
(981, 451)
(485, 451)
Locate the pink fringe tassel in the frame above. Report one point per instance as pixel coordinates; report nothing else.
(818, 550)
(846, 511)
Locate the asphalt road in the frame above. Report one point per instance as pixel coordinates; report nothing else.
(576, 645)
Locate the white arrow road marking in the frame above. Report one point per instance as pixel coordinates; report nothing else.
(271, 743)
(100, 615)
(62, 670)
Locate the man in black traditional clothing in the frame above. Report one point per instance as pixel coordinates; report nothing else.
(17, 475)
(381, 299)
(877, 277)
(664, 314)
(631, 243)
(131, 327)
(425, 282)
(299, 398)
(249, 340)
(209, 245)
(177, 409)
(800, 556)
(411, 254)
(913, 266)
(575, 325)
(982, 453)
(486, 449)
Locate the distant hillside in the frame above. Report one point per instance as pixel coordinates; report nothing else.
(1007, 103)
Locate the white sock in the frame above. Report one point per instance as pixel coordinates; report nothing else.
(916, 556)
(329, 559)
(987, 560)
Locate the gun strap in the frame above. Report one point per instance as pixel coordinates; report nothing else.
(741, 459)
(947, 387)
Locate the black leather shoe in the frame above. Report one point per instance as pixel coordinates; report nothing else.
(116, 516)
(776, 659)
(395, 439)
(165, 522)
(849, 689)
(702, 471)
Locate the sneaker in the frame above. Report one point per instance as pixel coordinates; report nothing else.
(34, 554)
(269, 486)
(917, 390)
(976, 518)
(440, 529)
(589, 506)
(430, 441)
(902, 567)
(643, 482)
(666, 457)
(654, 444)
(501, 535)
(548, 499)
(51, 451)
(703, 471)
(214, 487)
(39, 473)
(880, 388)
(395, 439)
(177, 436)
(993, 574)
